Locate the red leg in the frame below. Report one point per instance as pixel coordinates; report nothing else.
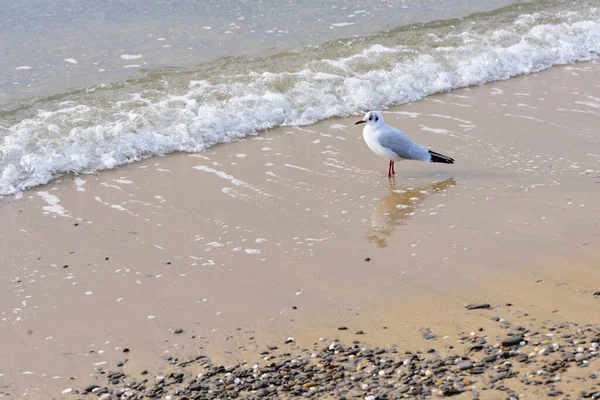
(390, 169)
(393, 170)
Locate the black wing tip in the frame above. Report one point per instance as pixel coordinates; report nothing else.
(440, 158)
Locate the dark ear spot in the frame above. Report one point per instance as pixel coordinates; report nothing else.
(376, 118)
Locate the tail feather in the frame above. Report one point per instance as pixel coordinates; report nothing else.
(440, 158)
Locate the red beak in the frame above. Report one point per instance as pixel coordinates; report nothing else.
(360, 122)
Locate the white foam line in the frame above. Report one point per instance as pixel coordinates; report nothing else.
(342, 24)
(53, 206)
(300, 168)
(304, 169)
(315, 240)
(340, 164)
(199, 156)
(436, 130)
(140, 202)
(409, 114)
(230, 178)
(299, 128)
(234, 193)
(452, 118)
(333, 165)
(79, 182)
(525, 105)
(525, 116)
(111, 186)
(221, 174)
(115, 206)
(588, 103)
(130, 56)
(579, 111)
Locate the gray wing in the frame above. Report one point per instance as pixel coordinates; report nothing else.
(403, 146)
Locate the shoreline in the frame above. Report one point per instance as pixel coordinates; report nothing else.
(238, 235)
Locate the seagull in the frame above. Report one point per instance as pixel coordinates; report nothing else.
(391, 143)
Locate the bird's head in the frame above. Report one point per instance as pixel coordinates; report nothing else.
(371, 118)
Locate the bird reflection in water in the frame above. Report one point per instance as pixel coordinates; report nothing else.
(397, 206)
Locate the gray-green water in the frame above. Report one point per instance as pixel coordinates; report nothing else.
(77, 43)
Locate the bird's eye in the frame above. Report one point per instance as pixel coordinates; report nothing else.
(370, 118)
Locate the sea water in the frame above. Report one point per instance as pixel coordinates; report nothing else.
(86, 86)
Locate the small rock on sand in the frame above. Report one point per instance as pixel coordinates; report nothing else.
(512, 340)
(478, 306)
(464, 365)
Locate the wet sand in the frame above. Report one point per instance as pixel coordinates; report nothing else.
(249, 243)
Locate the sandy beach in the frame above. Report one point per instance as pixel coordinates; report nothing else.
(297, 232)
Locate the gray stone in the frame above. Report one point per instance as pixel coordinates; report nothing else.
(478, 306)
(512, 340)
(463, 365)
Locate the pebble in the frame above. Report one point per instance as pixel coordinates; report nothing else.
(512, 340)
(178, 330)
(464, 365)
(478, 306)
(490, 358)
